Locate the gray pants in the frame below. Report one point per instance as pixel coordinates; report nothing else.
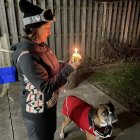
(43, 129)
(38, 131)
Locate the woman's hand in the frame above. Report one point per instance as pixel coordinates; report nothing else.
(75, 65)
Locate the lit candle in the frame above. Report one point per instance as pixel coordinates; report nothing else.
(76, 56)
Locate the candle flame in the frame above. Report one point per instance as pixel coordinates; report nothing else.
(76, 57)
(76, 50)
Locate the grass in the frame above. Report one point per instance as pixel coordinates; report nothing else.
(122, 83)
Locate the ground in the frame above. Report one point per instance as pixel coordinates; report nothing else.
(12, 125)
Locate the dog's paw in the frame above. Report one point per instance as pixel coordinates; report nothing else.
(62, 135)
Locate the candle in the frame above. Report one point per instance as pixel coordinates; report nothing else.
(76, 56)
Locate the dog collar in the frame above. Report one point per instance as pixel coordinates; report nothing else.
(103, 132)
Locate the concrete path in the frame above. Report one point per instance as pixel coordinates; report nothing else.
(12, 127)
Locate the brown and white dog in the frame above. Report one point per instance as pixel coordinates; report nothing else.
(96, 121)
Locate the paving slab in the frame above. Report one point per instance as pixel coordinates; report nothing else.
(20, 132)
(6, 132)
(127, 127)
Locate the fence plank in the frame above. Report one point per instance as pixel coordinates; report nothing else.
(118, 22)
(65, 31)
(131, 22)
(137, 38)
(1, 54)
(83, 28)
(135, 23)
(52, 37)
(42, 4)
(99, 28)
(19, 19)
(94, 31)
(109, 19)
(123, 22)
(34, 2)
(104, 20)
(58, 29)
(71, 18)
(7, 57)
(127, 22)
(3, 21)
(88, 30)
(138, 33)
(77, 21)
(12, 22)
(114, 20)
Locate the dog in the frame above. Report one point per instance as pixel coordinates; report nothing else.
(96, 121)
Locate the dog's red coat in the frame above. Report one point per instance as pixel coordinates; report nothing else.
(77, 110)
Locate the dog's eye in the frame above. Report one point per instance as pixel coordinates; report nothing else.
(104, 114)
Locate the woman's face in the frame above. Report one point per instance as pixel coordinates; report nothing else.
(43, 32)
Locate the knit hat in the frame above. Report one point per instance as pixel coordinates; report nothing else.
(34, 16)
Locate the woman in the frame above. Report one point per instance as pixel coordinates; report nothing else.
(39, 73)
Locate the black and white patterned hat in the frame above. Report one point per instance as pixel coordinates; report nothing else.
(34, 16)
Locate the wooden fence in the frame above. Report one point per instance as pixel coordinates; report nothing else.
(85, 23)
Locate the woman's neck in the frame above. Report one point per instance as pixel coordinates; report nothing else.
(38, 41)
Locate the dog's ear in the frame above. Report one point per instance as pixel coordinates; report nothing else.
(111, 106)
(93, 113)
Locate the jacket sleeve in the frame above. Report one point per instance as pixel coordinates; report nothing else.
(38, 75)
(62, 63)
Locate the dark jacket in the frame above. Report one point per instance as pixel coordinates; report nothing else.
(40, 77)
